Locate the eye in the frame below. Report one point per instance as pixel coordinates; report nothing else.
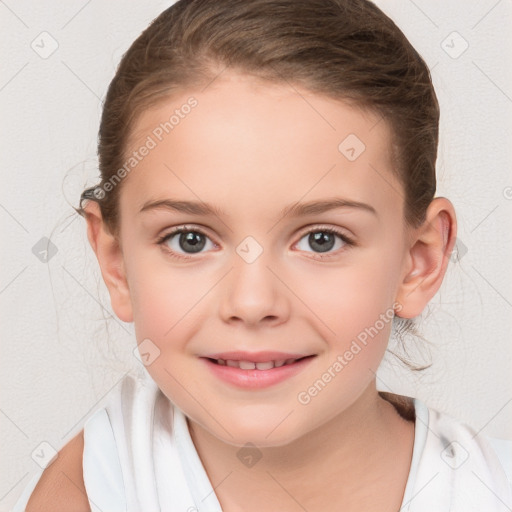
(187, 239)
(184, 241)
(323, 240)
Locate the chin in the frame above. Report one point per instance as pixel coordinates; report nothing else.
(257, 437)
(262, 430)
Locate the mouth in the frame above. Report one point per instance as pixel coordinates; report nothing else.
(253, 365)
(256, 371)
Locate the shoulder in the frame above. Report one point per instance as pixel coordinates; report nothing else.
(61, 486)
(469, 460)
(460, 441)
(454, 466)
(503, 450)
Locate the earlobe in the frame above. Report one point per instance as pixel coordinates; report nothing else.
(427, 259)
(110, 258)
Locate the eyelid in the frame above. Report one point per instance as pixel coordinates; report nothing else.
(186, 227)
(325, 227)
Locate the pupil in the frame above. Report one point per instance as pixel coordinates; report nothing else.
(322, 240)
(195, 240)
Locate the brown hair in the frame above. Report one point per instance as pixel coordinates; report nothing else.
(343, 49)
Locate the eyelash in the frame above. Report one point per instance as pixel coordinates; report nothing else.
(192, 229)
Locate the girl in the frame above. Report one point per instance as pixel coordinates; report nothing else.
(266, 210)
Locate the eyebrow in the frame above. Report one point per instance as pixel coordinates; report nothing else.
(294, 210)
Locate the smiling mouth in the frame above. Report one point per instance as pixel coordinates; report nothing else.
(251, 365)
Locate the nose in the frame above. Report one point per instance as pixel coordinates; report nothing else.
(252, 294)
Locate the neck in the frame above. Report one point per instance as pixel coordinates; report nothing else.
(353, 458)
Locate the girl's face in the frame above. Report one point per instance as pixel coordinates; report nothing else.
(294, 245)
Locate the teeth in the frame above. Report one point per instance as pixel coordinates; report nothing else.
(246, 365)
(249, 365)
(264, 366)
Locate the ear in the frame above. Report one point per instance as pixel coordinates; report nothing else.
(110, 258)
(427, 258)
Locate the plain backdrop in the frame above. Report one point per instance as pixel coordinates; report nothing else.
(62, 348)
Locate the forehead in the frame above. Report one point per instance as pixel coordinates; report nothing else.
(248, 145)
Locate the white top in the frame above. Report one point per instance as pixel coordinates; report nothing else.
(139, 456)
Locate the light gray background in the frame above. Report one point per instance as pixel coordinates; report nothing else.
(59, 355)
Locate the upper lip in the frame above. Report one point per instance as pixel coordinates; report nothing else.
(256, 357)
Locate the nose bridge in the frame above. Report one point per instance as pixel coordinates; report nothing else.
(252, 292)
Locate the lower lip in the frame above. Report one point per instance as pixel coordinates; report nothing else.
(256, 379)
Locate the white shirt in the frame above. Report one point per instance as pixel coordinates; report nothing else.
(139, 457)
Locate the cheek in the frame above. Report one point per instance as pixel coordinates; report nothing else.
(355, 316)
(347, 300)
(170, 303)
(166, 303)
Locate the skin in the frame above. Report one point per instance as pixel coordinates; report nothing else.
(251, 148)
